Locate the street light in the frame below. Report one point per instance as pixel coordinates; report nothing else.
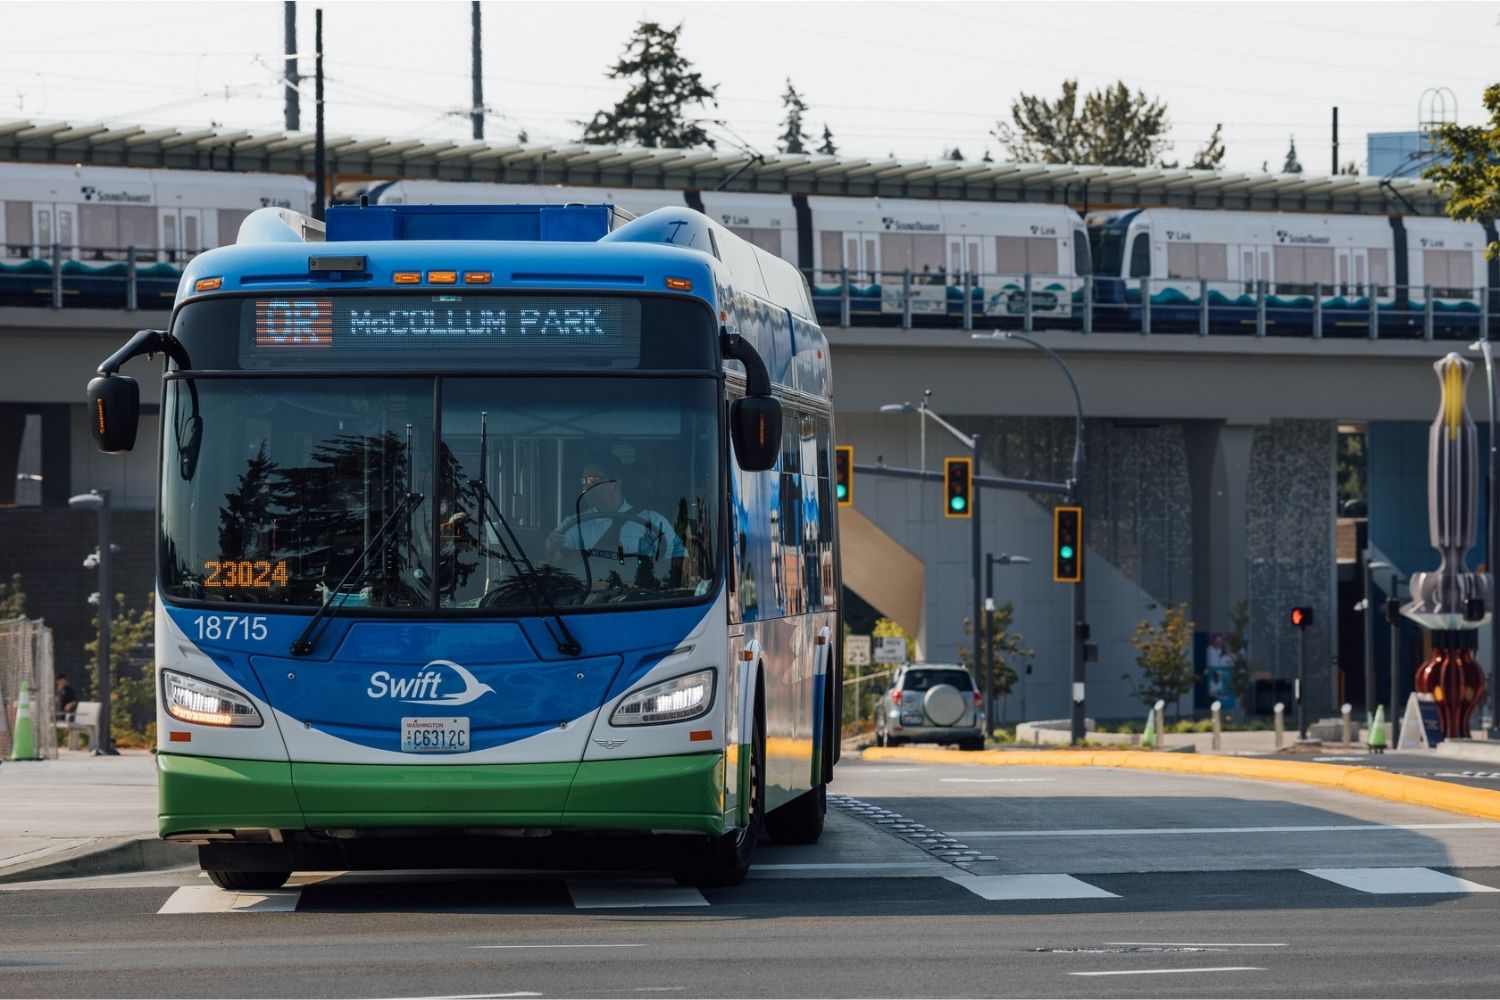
(1368, 607)
(1075, 497)
(972, 443)
(1492, 544)
(98, 501)
(990, 562)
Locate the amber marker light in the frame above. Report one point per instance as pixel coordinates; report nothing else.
(680, 284)
(442, 277)
(208, 284)
(407, 277)
(180, 737)
(699, 735)
(478, 277)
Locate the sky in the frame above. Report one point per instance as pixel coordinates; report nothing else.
(902, 78)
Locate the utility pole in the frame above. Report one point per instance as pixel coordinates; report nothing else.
(476, 60)
(293, 78)
(1335, 140)
(320, 192)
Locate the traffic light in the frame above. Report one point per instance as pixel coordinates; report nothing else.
(958, 487)
(1301, 617)
(1067, 544)
(843, 474)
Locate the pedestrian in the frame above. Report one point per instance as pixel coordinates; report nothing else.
(65, 699)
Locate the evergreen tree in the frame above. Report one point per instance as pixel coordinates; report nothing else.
(1110, 127)
(793, 138)
(828, 148)
(662, 85)
(1469, 180)
(954, 154)
(1211, 156)
(1291, 166)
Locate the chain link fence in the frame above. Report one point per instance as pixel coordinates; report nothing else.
(26, 655)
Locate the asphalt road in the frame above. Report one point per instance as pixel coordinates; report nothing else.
(930, 881)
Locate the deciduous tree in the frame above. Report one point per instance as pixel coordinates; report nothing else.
(663, 85)
(1469, 179)
(12, 599)
(1163, 654)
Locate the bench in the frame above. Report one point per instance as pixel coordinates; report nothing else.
(83, 720)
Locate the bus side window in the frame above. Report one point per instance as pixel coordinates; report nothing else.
(1140, 256)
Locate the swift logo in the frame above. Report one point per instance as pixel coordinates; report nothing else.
(423, 688)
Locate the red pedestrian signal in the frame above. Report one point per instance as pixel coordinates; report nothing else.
(958, 487)
(1301, 617)
(843, 474)
(1067, 544)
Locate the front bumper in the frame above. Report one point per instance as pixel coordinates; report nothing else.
(215, 795)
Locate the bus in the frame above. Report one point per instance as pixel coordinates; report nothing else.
(490, 536)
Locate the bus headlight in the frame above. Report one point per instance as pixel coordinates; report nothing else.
(192, 700)
(676, 700)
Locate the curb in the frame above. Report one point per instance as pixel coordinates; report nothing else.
(107, 856)
(1481, 803)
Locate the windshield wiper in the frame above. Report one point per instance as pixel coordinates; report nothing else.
(305, 642)
(531, 580)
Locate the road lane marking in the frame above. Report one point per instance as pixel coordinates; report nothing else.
(992, 781)
(1017, 887)
(1159, 831)
(916, 866)
(498, 947)
(1166, 972)
(210, 899)
(622, 894)
(1192, 944)
(1393, 881)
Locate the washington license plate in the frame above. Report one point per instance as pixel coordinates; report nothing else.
(428, 735)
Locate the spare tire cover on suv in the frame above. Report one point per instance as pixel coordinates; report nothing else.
(945, 704)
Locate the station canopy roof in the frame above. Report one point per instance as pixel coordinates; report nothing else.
(352, 158)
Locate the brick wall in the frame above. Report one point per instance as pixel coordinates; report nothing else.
(47, 547)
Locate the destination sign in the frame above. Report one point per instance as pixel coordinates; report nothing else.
(440, 331)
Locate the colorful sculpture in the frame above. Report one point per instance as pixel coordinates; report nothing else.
(1452, 602)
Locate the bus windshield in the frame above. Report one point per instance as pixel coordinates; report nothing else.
(508, 491)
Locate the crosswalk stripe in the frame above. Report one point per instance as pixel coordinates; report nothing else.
(1019, 887)
(208, 899)
(1393, 881)
(596, 894)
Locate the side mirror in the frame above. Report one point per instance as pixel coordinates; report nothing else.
(755, 426)
(114, 412)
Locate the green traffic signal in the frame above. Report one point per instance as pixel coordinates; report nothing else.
(843, 491)
(957, 503)
(1066, 552)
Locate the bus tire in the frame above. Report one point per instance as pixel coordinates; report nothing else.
(728, 860)
(800, 821)
(247, 880)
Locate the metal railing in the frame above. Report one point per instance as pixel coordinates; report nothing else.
(1151, 305)
(60, 277)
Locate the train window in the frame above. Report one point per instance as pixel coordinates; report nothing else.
(229, 224)
(138, 229)
(1182, 260)
(1010, 254)
(1213, 261)
(896, 252)
(190, 241)
(1289, 270)
(831, 251)
(1081, 263)
(44, 227)
(99, 231)
(65, 228)
(1317, 266)
(18, 238)
(1449, 272)
(1140, 256)
(169, 236)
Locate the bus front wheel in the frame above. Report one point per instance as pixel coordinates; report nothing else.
(728, 859)
(248, 880)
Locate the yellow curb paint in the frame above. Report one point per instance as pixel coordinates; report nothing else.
(1481, 803)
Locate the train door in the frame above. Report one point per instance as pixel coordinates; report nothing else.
(181, 233)
(963, 257)
(42, 214)
(1247, 271)
(1264, 274)
(862, 257)
(1360, 268)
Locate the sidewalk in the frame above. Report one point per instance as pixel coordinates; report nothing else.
(81, 814)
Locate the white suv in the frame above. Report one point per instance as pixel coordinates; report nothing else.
(931, 703)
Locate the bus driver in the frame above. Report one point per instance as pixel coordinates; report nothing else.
(608, 527)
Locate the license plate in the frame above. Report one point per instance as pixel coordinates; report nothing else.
(434, 735)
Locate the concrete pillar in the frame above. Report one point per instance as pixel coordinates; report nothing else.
(1218, 456)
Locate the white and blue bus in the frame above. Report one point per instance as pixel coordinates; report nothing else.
(490, 536)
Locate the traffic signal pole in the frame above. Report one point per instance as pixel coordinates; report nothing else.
(981, 627)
